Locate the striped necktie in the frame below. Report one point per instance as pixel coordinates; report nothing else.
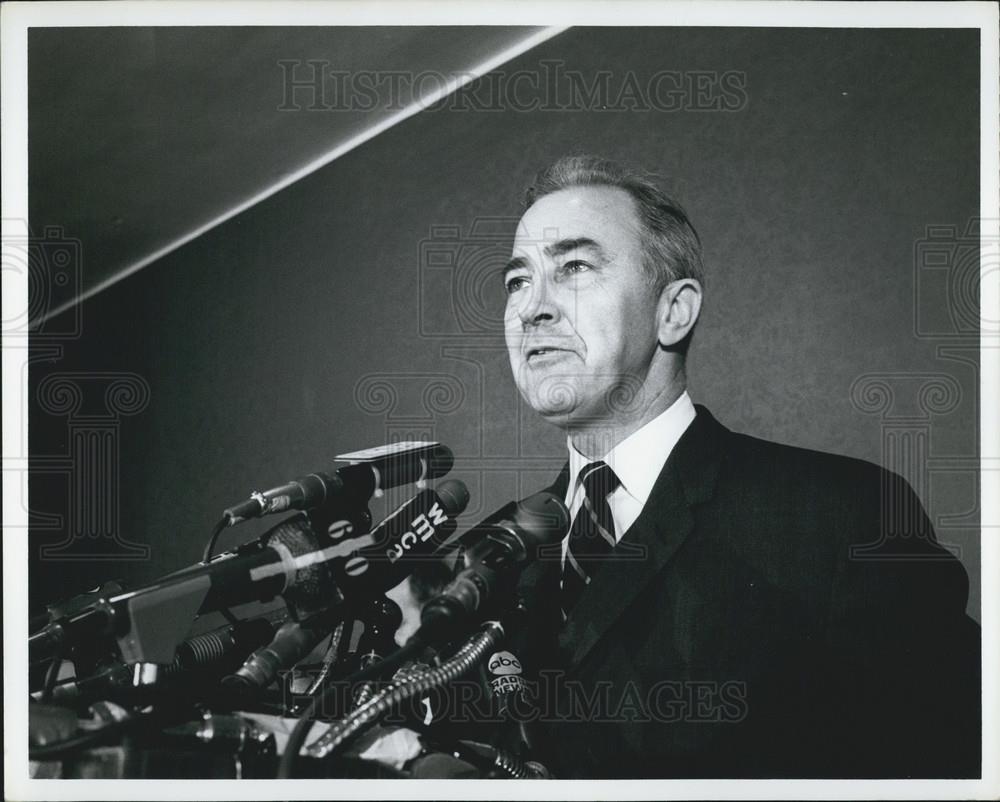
(592, 536)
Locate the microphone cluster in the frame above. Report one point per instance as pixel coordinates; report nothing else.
(322, 574)
(327, 563)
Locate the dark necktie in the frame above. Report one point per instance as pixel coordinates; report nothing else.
(592, 536)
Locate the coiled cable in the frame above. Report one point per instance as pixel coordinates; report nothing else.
(399, 691)
(298, 734)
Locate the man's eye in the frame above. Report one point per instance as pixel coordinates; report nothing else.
(575, 266)
(514, 283)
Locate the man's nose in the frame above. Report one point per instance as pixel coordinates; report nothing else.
(540, 305)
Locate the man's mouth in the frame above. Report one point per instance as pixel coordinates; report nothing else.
(543, 351)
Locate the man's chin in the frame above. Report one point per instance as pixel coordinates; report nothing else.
(564, 405)
(563, 418)
(575, 420)
(553, 400)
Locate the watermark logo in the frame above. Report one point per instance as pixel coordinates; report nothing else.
(954, 266)
(460, 278)
(94, 404)
(52, 264)
(316, 85)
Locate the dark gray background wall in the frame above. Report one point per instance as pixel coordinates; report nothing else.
(357, 306)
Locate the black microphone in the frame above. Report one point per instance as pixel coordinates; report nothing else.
(506, 680)
(511, 703)
(417, 531)
(200, 657)
(290, 644)
(370, 472)
(284, 561)
(361, 569)
(503, 543)
(290, 560)
(295, 640)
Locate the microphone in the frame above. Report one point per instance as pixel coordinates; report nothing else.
(290, 644)
(506, 681)
(285, 561)
(504, 543)
(371, 471)
(295, 640)
(361, 569)
(289, 560)
(415, 532)
(200, 657)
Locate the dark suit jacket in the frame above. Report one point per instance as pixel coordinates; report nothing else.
(778, 613)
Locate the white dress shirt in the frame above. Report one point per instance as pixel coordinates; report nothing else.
(637, 461)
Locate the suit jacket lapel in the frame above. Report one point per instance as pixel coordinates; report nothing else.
(687, 478)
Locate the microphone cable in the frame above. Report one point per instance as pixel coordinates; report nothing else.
(207, 556)
(298, 735)
(465, 659)
(213, 539)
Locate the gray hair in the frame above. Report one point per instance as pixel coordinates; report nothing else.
(671, 249)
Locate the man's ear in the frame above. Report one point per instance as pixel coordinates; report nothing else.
(678, 310)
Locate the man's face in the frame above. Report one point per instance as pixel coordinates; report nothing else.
(581, 317)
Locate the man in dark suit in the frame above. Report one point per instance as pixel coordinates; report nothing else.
(722, 606)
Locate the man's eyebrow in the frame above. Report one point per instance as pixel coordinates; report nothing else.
(567, 245)
(517, 263)
(559, 248)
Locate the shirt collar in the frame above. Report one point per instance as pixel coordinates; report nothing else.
(638, 459)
